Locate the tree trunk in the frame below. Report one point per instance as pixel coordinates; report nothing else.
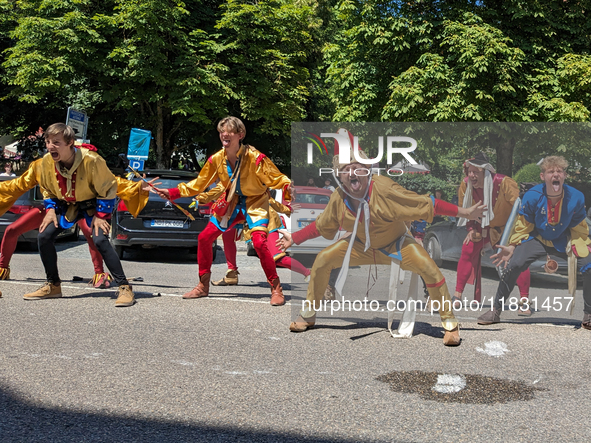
(504, 148)
(159, 136)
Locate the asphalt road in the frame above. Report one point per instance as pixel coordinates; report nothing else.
(226, 368)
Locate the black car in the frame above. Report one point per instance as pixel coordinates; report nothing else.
(160, 223)
(29, 200)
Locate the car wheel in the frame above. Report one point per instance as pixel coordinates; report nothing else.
(250, 251)
(119, 250)
(434, 250)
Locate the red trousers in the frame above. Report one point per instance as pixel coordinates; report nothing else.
(229, 240)
(259, 241)
(471, 255)
(31, 220)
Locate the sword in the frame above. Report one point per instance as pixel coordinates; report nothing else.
(508, 229)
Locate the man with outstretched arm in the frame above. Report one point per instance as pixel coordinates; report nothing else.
(245, 174)
(379, 207)
(551, 221)
(498, 192)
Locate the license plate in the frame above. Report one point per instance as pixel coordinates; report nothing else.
(167, 223)
(302, 223)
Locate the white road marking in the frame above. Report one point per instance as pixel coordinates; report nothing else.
(449, 383)
(184, 363)
(494, 349)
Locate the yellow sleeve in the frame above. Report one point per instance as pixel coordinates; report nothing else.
(461, 193)
(579, 238)
(207, 176)
(327, 223)
(103, 180)
(521, 231)
(396, 204)
(510, 189)
(272, 177)
(12, 190)
(279, 207)
(132, 195)
(211, 195)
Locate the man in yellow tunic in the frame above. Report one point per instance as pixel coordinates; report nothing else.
(380, 207)
(247, 174)
(76, 183)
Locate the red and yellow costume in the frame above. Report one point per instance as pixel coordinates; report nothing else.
(250, 203)
(44, 169)
(504, 193)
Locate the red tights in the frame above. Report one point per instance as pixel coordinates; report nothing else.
(31, 220)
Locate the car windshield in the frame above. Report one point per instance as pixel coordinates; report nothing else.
(314, 199)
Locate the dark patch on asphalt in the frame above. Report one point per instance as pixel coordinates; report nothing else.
(478, 389)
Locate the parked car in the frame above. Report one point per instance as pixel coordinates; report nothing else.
(29, 200)
(160, 223)
(443, 241)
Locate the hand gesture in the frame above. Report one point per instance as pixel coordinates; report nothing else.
(474, 212)
(162, 193)
(99, 223)
(284, 242)
(49, 218)
(147, 186)
(503, 256)
(468, 238)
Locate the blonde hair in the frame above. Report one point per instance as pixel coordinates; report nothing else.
(554, 161)
(61, 129)
(232, 124)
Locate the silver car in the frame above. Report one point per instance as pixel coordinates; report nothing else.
(443, 242)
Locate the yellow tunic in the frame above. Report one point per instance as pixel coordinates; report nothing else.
(42, 172)
(390, 207)
(257, 174)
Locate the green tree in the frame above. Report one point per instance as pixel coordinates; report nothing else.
(462, 61)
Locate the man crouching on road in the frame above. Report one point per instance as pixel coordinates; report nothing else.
(362, 202)
(551, 221)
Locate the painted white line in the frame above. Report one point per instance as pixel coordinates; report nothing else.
(90, 288)
(494, 349)
(449, 384)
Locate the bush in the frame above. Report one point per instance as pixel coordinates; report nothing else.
(528, 174)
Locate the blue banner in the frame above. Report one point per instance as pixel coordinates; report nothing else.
(139, 144)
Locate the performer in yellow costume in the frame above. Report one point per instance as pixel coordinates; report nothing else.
(246, 174)
(379, 207)
(76, 183)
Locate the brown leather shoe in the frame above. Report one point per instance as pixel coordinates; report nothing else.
(452, 338)
(301, 324)
(277, 298)
(48, 290)
(125, 297)
(201, 290)
(490, 317)
(231, 279)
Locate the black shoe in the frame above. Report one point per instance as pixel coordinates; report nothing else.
(586, 321)
(490, 317)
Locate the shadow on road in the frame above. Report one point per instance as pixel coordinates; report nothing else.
(26, 421)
